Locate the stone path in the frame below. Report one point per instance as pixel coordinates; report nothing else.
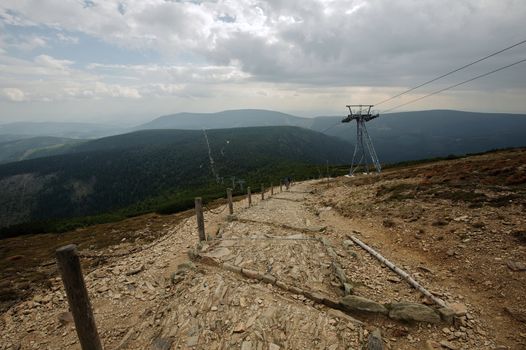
(281, 255)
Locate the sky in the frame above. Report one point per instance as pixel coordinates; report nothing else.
(128, 61)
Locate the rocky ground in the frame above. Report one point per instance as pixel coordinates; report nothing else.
(284, 274)
(457, 225)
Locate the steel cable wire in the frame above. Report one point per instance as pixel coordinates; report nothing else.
(451, 72)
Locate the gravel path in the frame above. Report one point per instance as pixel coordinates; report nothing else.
(156, 298)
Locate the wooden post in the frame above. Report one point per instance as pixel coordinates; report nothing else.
(249, 196)
(281, 185)
(79, 304)
(328, 177)
(271, 189)
(230, 204)
(200, 218)
(262, 192)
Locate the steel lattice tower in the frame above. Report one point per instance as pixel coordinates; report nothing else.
(363, 147)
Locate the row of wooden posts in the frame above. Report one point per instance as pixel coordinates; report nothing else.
(70, 269)
(199, 206)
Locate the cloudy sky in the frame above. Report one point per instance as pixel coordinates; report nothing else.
(132, 60)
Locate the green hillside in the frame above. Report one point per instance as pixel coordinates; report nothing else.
(156, 170)
(32, 147)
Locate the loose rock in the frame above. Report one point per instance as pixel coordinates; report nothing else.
(356, 303)
(413, 312)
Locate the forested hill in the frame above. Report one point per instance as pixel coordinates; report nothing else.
(149, 169)
(397, 136)
(436, 133)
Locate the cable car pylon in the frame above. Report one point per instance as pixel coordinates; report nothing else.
(363, 148)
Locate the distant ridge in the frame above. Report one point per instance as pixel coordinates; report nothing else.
(226, 119)
(397, 137)
(59, 129)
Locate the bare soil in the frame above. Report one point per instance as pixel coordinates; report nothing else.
(458, 224)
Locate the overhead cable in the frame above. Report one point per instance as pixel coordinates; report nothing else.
(451, 72)
(455, 85)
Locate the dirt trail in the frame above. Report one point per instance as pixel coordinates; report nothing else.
(157, 298)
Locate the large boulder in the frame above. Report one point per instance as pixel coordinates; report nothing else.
(356, 303)
(413, 312)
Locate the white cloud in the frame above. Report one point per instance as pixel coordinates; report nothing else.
(67, 38)
(62, 81)
(53, 63)
(339, 42)
(13, 94)
(29, 43)
(287, 50)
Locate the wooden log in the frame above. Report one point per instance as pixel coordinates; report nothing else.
(262, 192)
(249, 196)
(281, 185)
(200, 218)
(271, 189)
(79, 303)
(398, 271)
(230, 204)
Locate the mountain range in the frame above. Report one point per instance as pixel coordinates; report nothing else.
(396, 136)
(162, 165)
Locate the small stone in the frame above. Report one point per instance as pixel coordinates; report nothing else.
(448, 345)
(176, 278)
(458, 308)
(162, 343)
(240, 328)
(518, 314)
(218, 253)
(187, 265)
(447, 315)
(135, 271)
(65, 317)
(516, 265)
(213, 308)
(242, 302)
(192, 341)
(432, 345)
(273, 346)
